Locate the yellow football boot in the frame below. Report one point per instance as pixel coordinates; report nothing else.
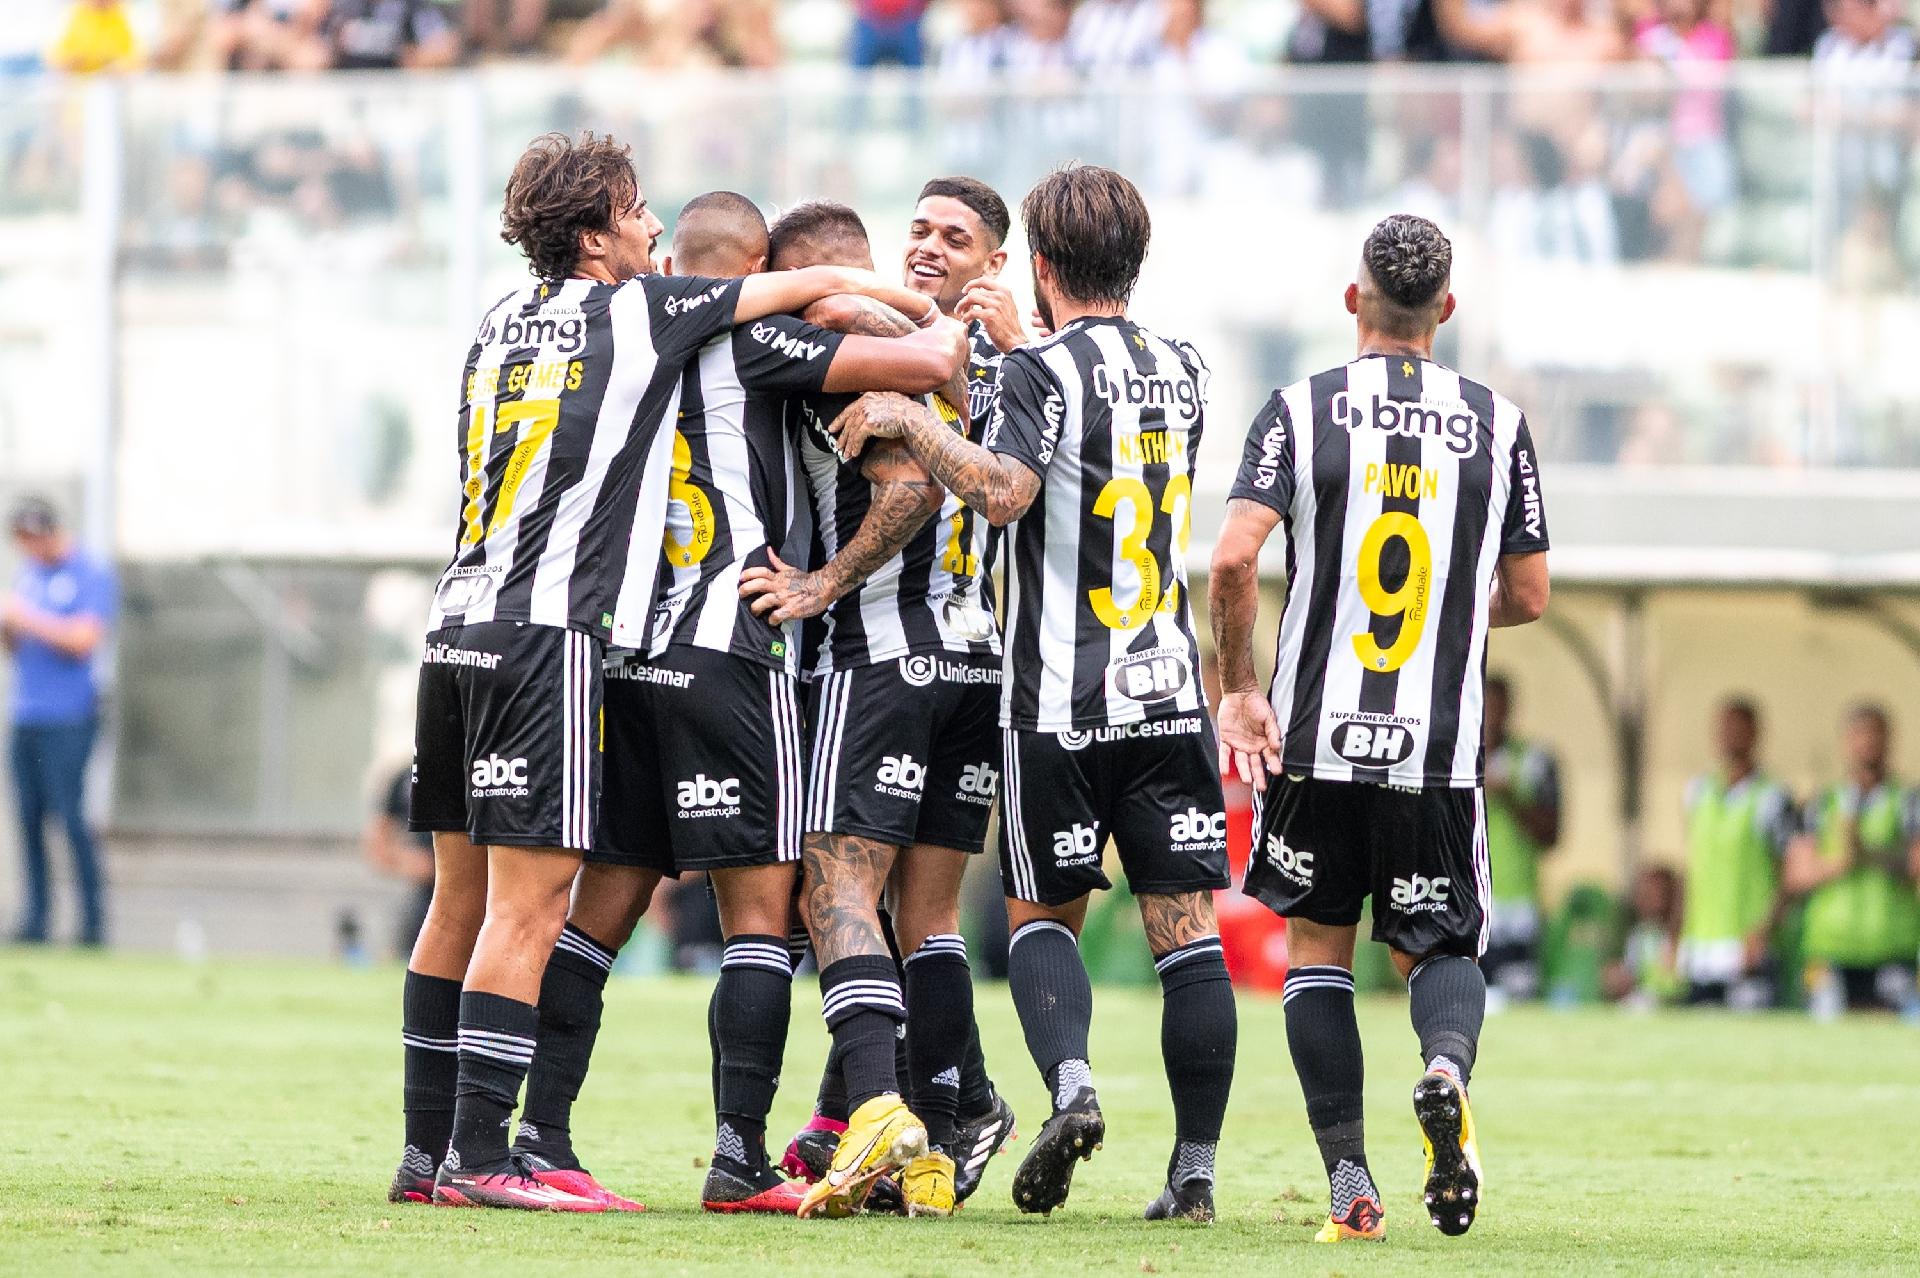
(1362, 1223)
(1453, 1156)
(927, 1184)
(881, 1137)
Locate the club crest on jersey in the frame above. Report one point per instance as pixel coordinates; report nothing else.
(1447, 420)
(1158, 674)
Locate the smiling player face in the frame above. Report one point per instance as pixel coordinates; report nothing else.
(947, 249)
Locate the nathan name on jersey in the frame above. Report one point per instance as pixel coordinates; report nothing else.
(1099, 629)
(935, 595)
(1401, 483)
(563, 461)
(736, 487)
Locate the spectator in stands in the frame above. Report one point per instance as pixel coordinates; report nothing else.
(888, 32)
(95, 37)
(1853, 864)
(1037, 48)
(270, 35)
(396, 851)
(1371, 31)
(981, 47)
(1544, 208)
(516, 26)
(1644, 973)
(1870, 54)
(1116, 35)
(1531, 32)
(1688, 41)
(1739, 823)
(53, 624)
(670, 36)
(1523, 825)
(1792, 27)
(382, 35)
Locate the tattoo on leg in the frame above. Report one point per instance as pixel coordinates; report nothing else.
(845, 875)
(1176, 920)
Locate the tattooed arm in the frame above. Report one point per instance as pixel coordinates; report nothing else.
(995, 485)
(904, 499)
(864, 317)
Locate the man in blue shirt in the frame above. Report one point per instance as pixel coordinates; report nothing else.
(52, 625)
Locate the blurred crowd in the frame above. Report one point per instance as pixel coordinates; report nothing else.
(1018, 36)
(1776, 899)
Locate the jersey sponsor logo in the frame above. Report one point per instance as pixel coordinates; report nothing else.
(1529, 492)
(465, 589)
(562, 327)
(922, 669)
(1291, 863)
(682, 305)
(706, 796)
(446, 654)
(1078, 846)
(1448, 420)
(1158, 674)
(1197, 831)
(638, 672)
(1081, 738)
(1147, 390)
(918, 671)
(1422, 895)
(1373, 745)
(979, 782)
(900, 776)
(1273, 452)
(774, 339)
(496, 778)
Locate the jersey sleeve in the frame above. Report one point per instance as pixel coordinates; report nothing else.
(1030, 413)
(1266, 463)
(1524, 531)
(688, 311)
(781, 355)
(1779, 819)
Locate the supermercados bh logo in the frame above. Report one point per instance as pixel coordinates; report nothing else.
(706, 796)
(682, 305)
(1448, 420)
(463, 589)
(496, 778)
(564, 328)
(1158, 674)
(774, 339)
(1375, 740)
(1147, 390)
(1197, 831)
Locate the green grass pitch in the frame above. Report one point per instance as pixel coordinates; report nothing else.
(243, 1117)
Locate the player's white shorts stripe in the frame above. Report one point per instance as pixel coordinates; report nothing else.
(826, 749)
(786, 768)
(1013, 822)
(1482, 869)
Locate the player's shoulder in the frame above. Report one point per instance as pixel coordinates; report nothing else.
(1186, 351)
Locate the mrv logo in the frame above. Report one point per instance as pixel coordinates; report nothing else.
(1449, 421)
(564, 329)
(1372, 745)
(1147, 390)
(1078, 846)
(786, 343)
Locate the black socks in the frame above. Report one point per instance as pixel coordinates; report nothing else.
(1448, 1002)
(1199, 1031)
(752, 1003)
(430, 1033)
(496, 1046)
(1055, 1001)
(862, 1005)
(939, 990)
(1324, 1039)
(572, 994)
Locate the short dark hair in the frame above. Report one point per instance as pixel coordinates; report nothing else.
(561, 189)
(1870, 710)
(34, 516)
(719, 222)
(1742, 706)
(1410, 259)
(1500, 683)
(978, 196)
(816, 225)
(1091, 225)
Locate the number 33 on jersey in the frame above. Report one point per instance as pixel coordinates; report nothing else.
(1099, 631)
(1401, 484)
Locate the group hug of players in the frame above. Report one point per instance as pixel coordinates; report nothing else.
(722, 601)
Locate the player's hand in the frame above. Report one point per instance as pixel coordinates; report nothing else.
(780, 593)
(991, 302)
(1249, 738)
(875, 415)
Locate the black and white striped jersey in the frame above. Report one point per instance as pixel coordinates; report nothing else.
(564, 465)
(1401, 484)
(934, 596)
(1099, 630)
(736, 487)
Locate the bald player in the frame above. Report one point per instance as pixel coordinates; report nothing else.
(704, 766)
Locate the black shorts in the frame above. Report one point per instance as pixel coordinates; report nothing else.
(906, 751)
(1321, 848)
(704, 764)
(1152, 787)
(505, 742)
